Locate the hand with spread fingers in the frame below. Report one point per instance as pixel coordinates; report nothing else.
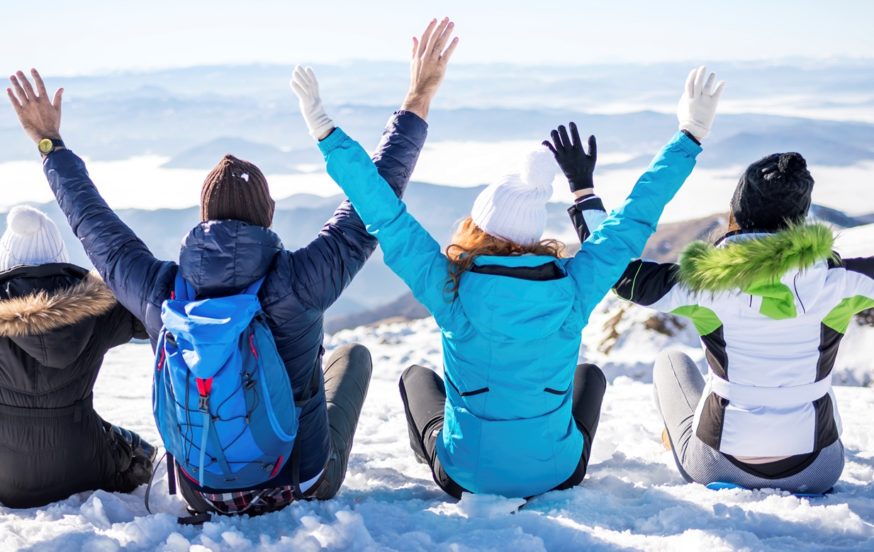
(430, 58)
(306, 87)
(577, 165)
(39, 116)
(697, 107)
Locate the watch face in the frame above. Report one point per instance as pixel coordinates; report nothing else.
(46, 146)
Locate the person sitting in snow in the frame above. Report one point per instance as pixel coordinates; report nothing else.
(57, 321)
(233, 247)
(771, 301)
(515, 415)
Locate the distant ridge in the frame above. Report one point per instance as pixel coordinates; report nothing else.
(268, 158)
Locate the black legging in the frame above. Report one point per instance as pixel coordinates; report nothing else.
(424, 397)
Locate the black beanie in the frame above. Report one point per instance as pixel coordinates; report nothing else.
(236, 189)
(773, 193)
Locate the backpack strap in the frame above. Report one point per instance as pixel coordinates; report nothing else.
(171, 478)
(295, 473)
(152, 481)
(171, 474)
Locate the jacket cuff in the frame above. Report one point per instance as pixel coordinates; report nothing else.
(589, 202)
(333, 141)
(411, 128)
(686, 144)
(409, 120)
(691, 136)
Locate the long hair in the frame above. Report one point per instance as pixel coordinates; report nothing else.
(470, 242)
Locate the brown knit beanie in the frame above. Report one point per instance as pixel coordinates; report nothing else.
(236, 189)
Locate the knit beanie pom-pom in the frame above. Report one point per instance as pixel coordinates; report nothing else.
(791, 164)
(25, 220)
(539, 170)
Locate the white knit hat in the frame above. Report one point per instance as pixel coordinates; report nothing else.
(31, 238)
(514, 208)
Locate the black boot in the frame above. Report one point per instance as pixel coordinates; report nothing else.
(139, 447)
(424, 398)
(135, 457)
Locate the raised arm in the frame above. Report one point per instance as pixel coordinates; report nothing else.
(330, 262)
(623, 235)
(407, 247)
(123, 260)
(343, 245)
(587, 213)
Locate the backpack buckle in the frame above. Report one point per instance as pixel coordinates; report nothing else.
(204, 386)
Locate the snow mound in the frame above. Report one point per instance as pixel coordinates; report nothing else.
(624, 339)
(632, 498)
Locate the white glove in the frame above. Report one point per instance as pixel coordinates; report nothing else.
(697, 106)
(306, 87)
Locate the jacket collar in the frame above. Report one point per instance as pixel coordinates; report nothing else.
(219, 257)
(744, 260)
(511, 299)
(513, 260)
(740, 236)
(43, 311)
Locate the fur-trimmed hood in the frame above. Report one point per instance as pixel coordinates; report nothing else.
(42, 312)
(741, 264)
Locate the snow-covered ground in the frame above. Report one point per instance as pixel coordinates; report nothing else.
(633, 497)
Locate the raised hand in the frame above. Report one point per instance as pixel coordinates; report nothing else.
(697, 107)
(428, 66)
(39, 117)
(577, 165)
(306, 87)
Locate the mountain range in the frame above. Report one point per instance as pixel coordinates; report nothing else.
(193, 116)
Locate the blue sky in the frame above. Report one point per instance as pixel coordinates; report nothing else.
(89, 36)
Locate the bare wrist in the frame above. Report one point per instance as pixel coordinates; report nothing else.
(417, 103)
(584, 192)
(37, 136)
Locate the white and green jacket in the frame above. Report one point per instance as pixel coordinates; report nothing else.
(771, 310)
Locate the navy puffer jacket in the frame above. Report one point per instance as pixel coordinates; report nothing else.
(221, 257)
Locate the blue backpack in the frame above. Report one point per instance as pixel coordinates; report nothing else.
(221, 397)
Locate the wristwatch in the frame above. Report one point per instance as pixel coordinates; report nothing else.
(48, 145)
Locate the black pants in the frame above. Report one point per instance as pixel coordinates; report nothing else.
(424, 397)
(45, 458)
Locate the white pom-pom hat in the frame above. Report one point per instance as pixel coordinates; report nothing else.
(31, 239)
(514, 208)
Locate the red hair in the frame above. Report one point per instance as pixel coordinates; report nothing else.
(470, 242)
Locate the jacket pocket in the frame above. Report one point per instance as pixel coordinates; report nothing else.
(471, 393)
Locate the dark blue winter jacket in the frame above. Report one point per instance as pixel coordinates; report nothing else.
(225, 256)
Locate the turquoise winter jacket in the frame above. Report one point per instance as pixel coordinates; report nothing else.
(510, 346)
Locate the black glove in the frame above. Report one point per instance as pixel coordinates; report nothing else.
(575, 163)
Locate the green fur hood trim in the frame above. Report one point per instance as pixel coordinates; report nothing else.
(741, 264)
